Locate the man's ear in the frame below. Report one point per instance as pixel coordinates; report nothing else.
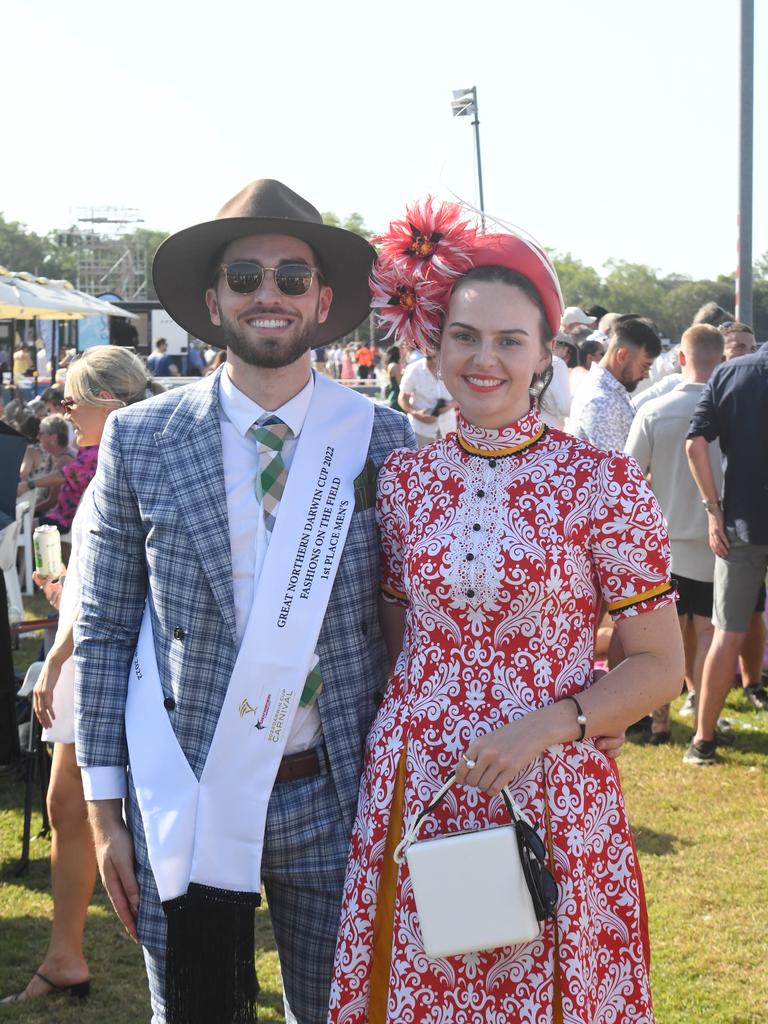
(681, 358)
(324, 303)
(212, 302)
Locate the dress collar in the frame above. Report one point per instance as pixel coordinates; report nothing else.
(493, 443)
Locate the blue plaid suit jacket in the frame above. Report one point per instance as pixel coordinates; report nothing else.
(161, 528)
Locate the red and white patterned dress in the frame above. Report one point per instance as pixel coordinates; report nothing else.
(503, 544)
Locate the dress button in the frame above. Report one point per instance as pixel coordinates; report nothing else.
(178, 633)
(481, 494)
(470, 556)
(492, 463)
(169, 703)
(476, 527)
(470, 593)
(364, 628)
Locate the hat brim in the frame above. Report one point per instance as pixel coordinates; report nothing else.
(182, 271)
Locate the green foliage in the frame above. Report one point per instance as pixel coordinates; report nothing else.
(354, 222)
(669, 301)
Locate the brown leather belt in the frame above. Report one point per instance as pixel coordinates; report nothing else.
(299, 766)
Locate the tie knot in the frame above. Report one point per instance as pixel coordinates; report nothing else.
(271, 432)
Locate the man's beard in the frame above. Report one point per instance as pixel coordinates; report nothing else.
(269, 353)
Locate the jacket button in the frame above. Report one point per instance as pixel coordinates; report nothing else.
(364, 628)
(169, 703)
(178, 633)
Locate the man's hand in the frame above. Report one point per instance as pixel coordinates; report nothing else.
(611, 746)
(718, 538)
(114, 855)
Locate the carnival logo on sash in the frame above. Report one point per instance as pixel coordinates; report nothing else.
(283, 704)
(247, 709)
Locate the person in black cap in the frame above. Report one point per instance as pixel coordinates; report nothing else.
(241, 696)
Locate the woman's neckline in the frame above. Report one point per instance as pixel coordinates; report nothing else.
(492, 442)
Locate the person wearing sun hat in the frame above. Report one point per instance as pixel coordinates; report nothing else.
(498, 544)
(228, 647)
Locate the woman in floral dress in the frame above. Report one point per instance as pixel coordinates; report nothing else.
(499, 544)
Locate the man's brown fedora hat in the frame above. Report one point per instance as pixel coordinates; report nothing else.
(184, 264)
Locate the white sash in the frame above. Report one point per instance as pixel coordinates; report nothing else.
(212, 832)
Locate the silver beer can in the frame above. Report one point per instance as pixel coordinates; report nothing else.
(46, 541)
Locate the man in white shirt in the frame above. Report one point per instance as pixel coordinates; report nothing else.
(657, 441)
(426, 400)
(602, 410)
(185, 501)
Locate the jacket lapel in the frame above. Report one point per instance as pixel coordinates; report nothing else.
(190, 448)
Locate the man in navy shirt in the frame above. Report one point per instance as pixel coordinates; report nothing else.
(733, 409)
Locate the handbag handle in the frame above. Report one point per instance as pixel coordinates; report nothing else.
(414, 828)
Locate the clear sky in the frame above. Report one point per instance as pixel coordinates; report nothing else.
(608, 129)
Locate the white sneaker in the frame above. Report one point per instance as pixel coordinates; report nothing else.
(688, 710)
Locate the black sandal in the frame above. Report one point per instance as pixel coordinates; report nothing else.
(77, 991)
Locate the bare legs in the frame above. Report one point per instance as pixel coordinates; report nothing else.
(752, 651)
(73, 874)
(717, 679)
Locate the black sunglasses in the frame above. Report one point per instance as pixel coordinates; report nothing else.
(540, 881)
(246, 276)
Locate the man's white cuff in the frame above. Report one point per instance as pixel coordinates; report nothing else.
(104, 783)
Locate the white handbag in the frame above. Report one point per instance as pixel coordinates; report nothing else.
(481, 889)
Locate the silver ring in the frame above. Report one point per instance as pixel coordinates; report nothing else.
(468, 761)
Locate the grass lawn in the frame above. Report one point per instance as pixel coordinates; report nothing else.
(701, 833)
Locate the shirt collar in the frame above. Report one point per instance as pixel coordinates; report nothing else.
(504, 441)
(605, 379)
(242, 412)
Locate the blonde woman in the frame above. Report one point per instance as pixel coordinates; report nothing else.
(101, 380)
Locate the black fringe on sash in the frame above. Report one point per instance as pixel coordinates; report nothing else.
(210, 971)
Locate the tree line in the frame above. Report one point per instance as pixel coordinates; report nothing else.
(669, 300)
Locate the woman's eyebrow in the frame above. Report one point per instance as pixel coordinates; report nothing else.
(506, 330)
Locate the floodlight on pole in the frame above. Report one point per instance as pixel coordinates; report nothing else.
(465, 103)
(744, 293)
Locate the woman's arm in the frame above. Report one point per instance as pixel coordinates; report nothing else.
(42, 695)
(650, 676)
(55, 479)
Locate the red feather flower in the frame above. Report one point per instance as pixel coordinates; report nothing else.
(430, 239)
(411, 308)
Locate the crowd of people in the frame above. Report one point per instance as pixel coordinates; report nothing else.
(449, 566)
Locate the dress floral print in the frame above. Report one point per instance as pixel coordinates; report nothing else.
(503, 544)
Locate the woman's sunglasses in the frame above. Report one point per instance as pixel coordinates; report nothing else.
(246, 276)
(540, 881)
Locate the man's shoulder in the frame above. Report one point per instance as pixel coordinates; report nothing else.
(154, 413)
(391, 429)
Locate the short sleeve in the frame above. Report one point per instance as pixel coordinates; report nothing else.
(705, 422)
(392, 521)
(630, 546)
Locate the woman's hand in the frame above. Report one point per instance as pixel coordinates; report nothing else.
(42, 695)
(51, 586)
(500, 755)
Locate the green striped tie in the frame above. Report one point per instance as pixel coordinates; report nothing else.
(271, 434)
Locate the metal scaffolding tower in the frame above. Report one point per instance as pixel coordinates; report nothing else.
(109, 256)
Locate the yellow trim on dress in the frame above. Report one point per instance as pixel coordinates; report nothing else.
(394, 593)
(501, 451)
(624, 602)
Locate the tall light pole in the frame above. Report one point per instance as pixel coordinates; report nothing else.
(465, 103)
(744, 271)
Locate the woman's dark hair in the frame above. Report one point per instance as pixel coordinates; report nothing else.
(29, 426)
(392, 355)
(589, 348)
(503, 275)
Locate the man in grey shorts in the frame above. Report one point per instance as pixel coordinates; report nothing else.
(733, 409)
